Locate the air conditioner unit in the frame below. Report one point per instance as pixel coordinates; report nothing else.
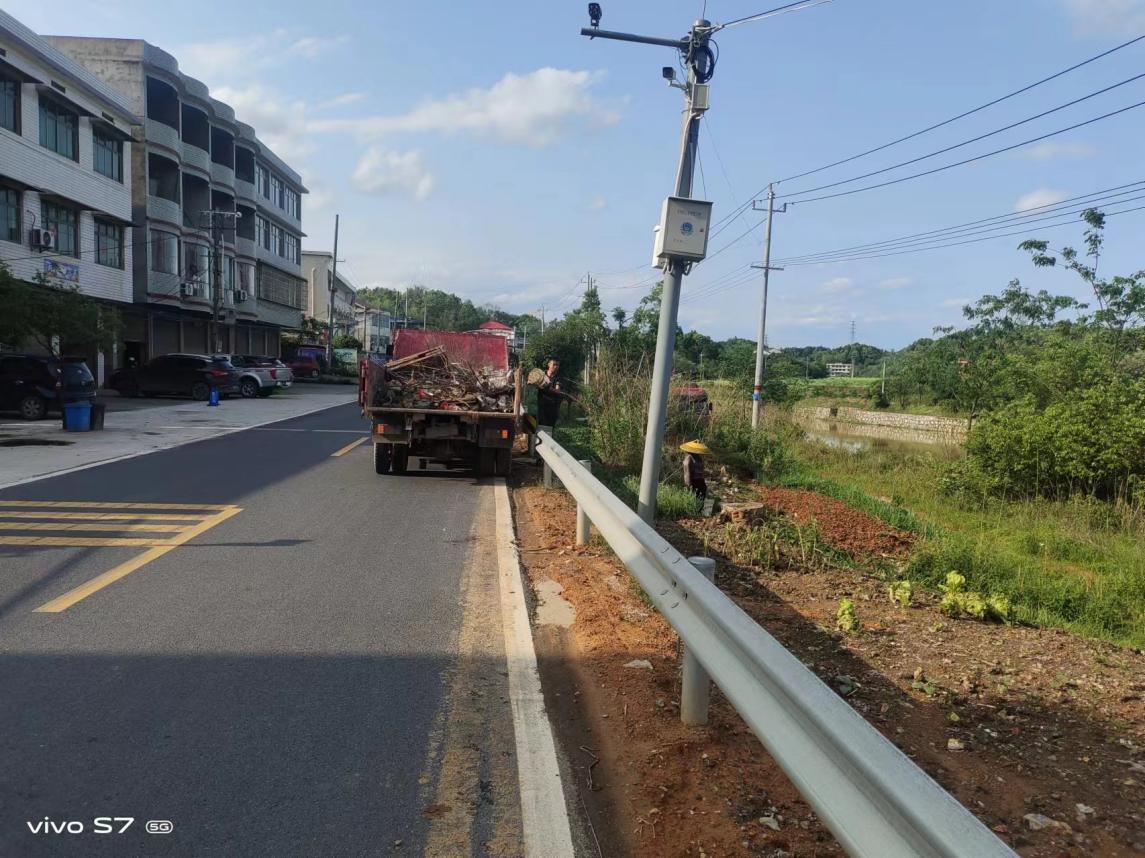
(190, 290)
(42, 239)
(241, 296)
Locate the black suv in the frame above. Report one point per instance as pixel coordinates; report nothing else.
(33, 385)
(178, 375)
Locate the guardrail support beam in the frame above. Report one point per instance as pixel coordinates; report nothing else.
(695, 684)
(548, 430)
(582, 522)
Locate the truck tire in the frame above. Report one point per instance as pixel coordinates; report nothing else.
(383, 454)
(504, 462)
(400, 459)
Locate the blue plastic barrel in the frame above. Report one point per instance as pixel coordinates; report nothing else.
(77, 416)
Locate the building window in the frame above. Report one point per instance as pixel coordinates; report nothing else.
(275, 239)
(10, 104)
(164, 252)
(246, 277)
(62, 222)
(262, 232)
(279, 288)
(262, 180)
(59, 129)
(107, 154)
(10, 215)
(276, 189)
(229, 274)
(109, 244)
(291, 243)
(198, 258)
(292, 203)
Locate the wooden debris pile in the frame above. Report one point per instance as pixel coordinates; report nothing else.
(430, 379)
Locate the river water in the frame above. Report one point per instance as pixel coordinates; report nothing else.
(858, 436)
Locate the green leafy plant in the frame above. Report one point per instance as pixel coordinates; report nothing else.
(845, 618)
(958, 602)
(900, 592)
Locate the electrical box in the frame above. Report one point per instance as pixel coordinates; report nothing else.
(700, 96)
(683, 230)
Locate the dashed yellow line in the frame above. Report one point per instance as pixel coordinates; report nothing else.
(84, 541)
(62, 603)
(101, 505)
(94, 526)
(344, 450)
(101, 516)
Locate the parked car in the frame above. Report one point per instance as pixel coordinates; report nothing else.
(305, 366)
(178, 375)
(33, 385)
(260, 375)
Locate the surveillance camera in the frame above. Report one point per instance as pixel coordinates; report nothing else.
(594, 14)
(668, 73)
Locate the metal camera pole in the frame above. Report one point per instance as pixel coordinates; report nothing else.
(694, 47)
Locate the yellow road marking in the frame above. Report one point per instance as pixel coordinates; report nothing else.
(87, 505)
(84, 541)
(101, 516)
(350, 446)
(62, 603)
(89, 525)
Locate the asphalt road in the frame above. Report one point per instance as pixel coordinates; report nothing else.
(319, 673)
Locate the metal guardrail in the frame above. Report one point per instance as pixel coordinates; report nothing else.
(871, 796)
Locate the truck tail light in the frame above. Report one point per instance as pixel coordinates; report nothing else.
(504, 434)
(381, 428)
(274, 373)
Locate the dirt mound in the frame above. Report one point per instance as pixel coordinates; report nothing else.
(843, 528)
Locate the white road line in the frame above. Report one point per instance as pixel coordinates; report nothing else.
(544, 815)
(138, 453)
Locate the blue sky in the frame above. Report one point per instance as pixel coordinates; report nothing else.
(488, 149)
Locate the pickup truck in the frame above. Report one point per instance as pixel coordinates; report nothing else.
(444, 397)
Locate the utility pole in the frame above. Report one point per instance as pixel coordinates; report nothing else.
(700, 63)
(852, 349)
(541, 310)
(761, 342)
(218, 220)
(333, 288)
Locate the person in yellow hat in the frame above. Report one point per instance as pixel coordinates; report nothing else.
(694, 467)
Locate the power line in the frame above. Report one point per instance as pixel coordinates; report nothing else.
(981, 107)
(1090, 199)
(877, 255)
(937, 125)
(778, 10)
(966, 142)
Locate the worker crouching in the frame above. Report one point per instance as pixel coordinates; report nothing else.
(694, 477)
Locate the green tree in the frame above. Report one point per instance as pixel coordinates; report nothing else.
(53, 316)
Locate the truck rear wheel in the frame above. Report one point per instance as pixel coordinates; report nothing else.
(383, 453)
(504, 461)
(400, 459)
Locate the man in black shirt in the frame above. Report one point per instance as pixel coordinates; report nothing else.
(549, 395)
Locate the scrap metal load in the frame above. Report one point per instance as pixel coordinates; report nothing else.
(430, 379)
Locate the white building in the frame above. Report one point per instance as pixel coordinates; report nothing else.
(318, 270)
(374, 328)
(194, 157)
(65, 167)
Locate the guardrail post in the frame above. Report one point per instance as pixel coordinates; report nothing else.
(582, 522)
(695, 684)
(548, 470)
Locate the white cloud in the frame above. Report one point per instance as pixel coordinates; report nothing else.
(956, 302)
(279, 122)
(838, 284)
(383, 172)
(224, 61)
(598, 203)
(342, 100)
(1049, 150)
(895, 283)
(531, 109)
(1040, 197)
(1107, 17)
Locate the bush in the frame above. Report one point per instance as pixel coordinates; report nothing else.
(672, 501)
(1092, 442)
